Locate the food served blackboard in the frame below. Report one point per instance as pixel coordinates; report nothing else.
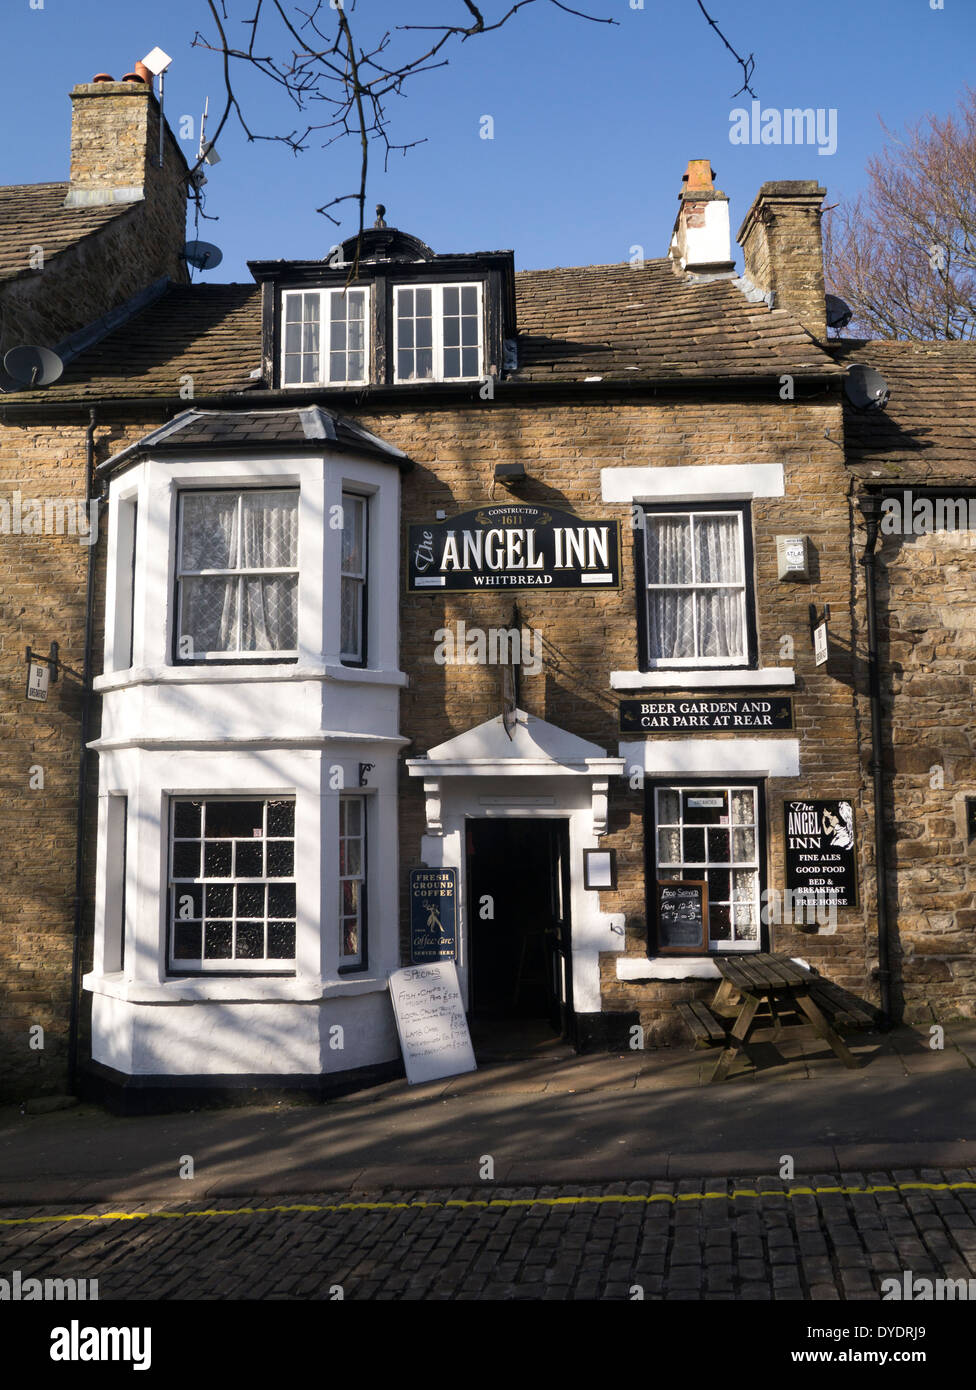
(682, 916)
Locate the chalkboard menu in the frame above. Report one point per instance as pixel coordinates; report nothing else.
(434, 1037)
(682, 916)
(820, 852)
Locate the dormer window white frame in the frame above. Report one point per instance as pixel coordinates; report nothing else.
(438, 332)
(325, 337)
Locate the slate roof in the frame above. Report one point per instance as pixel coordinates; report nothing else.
(31, 214)
(211, 333)
(624, 321)
(293, 428)
(926, 431)
(618, 322)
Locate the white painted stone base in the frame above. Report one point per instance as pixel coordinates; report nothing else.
(240, 1039)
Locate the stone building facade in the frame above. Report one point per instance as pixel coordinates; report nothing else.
(297, 559)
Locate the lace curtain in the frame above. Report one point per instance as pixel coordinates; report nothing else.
(232, 532)
(688, 622)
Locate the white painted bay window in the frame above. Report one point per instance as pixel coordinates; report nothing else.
(355, 517)
(698, 587)
(352, 883)
(237, 574)
(438, 332)
(325, 337)
(232, 884)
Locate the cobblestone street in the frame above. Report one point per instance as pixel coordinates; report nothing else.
(817, 1238)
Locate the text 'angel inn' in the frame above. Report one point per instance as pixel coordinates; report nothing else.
(422, 563)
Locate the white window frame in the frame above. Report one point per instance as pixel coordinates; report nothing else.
(359, 577)
(437, 328)
(256, 654)
(264, 965)
(690, 870)
(654, 663)
(325, 301)
(358, 960)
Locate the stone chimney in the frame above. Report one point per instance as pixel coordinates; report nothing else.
(782, 247)
(115, 158)
(701, 242)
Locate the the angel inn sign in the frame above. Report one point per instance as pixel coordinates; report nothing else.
(511, 546)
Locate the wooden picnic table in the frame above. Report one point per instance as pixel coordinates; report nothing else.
(762, 990)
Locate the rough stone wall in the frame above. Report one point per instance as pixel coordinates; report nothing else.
(42, 599)
(927, 644)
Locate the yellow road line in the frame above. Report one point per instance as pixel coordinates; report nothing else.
(496, 1202)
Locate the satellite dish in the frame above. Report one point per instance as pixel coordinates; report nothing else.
(865, 388)
(839, 313)
(202, 254)
(33, 366)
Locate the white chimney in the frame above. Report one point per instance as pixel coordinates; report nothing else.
(701, 243)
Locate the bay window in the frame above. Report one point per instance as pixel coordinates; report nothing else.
(232, 884)
(355, 513)
(698, 600)
(352, 883)
(237, 574)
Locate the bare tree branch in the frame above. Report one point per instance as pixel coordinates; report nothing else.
(903, 254)
(748, 65)
(311, 55)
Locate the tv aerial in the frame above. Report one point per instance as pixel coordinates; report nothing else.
(202, 254)
(31, 366)
(839, 313)
(865, 388)
(207, 151)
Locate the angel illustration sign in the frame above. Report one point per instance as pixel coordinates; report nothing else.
(433, 915)
(820, 853)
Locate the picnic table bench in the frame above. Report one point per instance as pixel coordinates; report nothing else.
(763, 990)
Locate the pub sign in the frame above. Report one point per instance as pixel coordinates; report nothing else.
(433, 915)
(513, 546)
(820, 852)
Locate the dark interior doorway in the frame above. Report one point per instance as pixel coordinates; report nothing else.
(518, 920)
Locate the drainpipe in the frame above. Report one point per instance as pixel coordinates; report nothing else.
(870, 503)
(86, 694)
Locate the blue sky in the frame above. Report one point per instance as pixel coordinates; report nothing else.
(593, 124)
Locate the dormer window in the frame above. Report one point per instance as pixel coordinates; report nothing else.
(326, 337)
(384, 310)
(438, 332)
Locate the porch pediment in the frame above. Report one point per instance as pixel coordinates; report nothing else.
(534, 749)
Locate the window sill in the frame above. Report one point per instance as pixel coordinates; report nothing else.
(666, 968)
(239, 989)
(207, 675)
(702, 678)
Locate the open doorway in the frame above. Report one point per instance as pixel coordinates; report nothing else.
(519, 925)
